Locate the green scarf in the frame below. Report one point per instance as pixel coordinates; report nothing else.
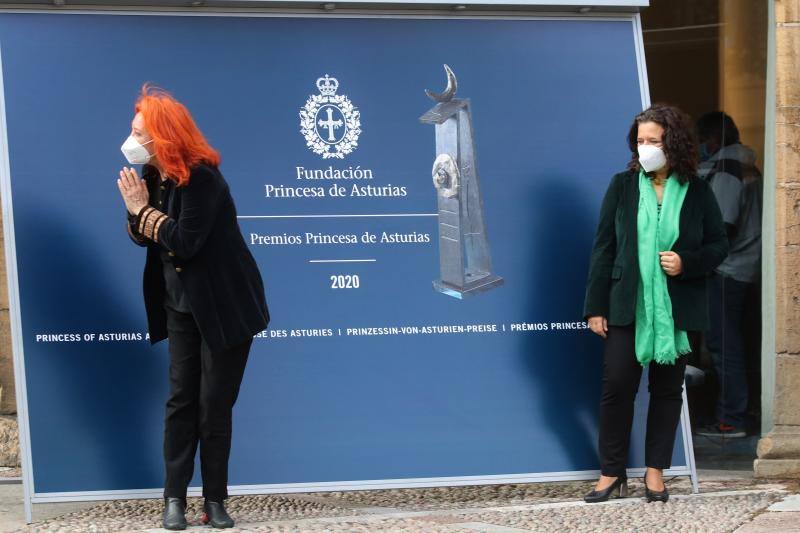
(656, 337)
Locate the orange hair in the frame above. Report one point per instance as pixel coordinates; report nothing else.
(178, 143)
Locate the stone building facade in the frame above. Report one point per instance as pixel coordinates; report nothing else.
(779, 450)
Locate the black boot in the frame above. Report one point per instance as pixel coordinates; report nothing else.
(175, 513)
(620, 486)
(216, 515)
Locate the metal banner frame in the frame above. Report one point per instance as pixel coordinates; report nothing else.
(30, 494)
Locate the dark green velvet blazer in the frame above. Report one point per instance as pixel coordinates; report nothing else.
(613, 280)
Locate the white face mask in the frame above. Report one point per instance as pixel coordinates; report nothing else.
(135, 153)
(651, 157)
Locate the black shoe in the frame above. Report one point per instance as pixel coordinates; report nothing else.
(655, 496)
(620, 485)
(216, 515)
(175, 513)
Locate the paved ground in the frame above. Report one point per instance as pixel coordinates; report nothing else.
(728, 501)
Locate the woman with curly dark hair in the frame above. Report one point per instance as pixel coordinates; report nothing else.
(659, 236)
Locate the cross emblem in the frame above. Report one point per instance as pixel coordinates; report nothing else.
(330, 124)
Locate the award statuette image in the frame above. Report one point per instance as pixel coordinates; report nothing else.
(465, 262)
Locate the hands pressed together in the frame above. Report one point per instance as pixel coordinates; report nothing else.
(133, 190)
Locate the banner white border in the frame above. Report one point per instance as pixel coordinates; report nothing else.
(16, 318)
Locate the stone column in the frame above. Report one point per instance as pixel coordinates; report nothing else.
(8, 401)
(779, 450)
(9, 438)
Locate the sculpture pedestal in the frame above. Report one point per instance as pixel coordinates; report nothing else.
(469, 289)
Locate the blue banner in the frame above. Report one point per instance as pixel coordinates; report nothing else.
(369, 369)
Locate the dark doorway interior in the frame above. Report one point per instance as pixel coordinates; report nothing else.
(704, 56)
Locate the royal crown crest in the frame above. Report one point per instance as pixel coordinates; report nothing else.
(327, 85)
(329, 122)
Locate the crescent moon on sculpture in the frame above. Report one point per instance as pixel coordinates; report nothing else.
(449, 92)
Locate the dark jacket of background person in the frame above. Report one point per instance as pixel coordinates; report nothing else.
(614, 268)
(217, 271)
(737, 185)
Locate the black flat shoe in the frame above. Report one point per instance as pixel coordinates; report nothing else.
(620, 486)
(655, 496)
(175, 513)
(216, 515)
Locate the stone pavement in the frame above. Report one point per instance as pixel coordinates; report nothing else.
(728, 501)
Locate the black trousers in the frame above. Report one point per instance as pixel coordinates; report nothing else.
(621, 375)
(203, 390)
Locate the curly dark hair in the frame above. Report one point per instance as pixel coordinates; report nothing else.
(680, 143)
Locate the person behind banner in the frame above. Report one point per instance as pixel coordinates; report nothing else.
(660, 235)
(202, 291)
(730, 169)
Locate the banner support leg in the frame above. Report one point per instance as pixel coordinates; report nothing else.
(688, 446)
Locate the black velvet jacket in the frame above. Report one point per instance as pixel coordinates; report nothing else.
(613, 281)
(218, 272)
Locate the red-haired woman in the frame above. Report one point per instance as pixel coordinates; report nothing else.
(202, 291)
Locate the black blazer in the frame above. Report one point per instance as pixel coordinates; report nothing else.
(613, 281)
(219, 275)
